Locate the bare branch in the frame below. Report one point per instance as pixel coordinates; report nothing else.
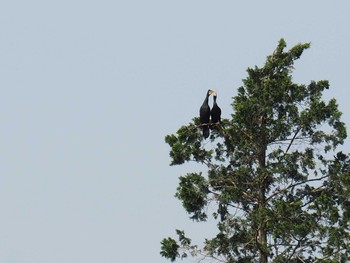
(291, 142)
(329, 255)
(295, 184)
(301, 259)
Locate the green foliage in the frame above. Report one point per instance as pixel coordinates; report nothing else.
(169, 249)
(193, 191)
(280, 190)
(186, 145)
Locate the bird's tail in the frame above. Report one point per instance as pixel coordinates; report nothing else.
(205, 132)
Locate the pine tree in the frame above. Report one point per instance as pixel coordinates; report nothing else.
(279, 185)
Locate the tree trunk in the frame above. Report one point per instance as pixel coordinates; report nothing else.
(262, 237)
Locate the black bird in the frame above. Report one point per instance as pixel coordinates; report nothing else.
(215, 112)
(204, 115)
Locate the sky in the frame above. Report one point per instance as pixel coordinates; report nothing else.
(89, 89)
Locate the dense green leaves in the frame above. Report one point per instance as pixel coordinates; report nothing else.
(186, 145)
(193, 191)
(274, 182)
(169, 248)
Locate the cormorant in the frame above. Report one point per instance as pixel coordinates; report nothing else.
(215, 112)
(204, 115)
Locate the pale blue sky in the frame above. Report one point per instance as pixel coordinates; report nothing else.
(89, 89)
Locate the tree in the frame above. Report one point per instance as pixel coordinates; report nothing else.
(273, 173)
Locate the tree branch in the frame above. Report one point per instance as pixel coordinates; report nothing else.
(291, 142)
(295, 184)
(328, 256)
(295, 248)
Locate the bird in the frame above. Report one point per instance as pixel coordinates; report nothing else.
(215, 111)
(204, 115)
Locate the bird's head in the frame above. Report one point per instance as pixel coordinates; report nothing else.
(215, 93)
(210, 92)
